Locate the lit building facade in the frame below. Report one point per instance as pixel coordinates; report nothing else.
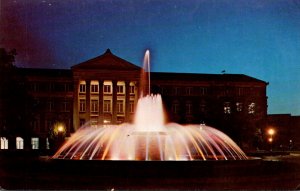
(105, 90)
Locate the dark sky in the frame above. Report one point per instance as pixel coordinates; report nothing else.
(260, 38)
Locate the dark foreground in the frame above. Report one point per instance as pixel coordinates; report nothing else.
(277, 172)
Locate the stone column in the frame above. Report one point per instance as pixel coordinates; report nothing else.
(75, 106)
(101, 100)
(127, 101)
(88, 100)
(114, 104)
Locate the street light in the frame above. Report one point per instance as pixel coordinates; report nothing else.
(60, 129)
(271, 132)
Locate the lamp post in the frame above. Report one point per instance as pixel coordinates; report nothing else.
(271, 132)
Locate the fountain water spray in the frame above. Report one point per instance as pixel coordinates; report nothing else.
(149, 137)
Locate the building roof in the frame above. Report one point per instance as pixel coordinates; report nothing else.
(107, 61)
(204, 77)
(110, 62)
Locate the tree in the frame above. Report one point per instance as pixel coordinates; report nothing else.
(14, 100)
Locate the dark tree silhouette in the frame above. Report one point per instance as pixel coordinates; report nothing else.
(15, 112)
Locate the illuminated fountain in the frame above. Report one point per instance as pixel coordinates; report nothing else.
(149, 137)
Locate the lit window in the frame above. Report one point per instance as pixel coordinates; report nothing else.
(35, 143)
(239, 106)
(82, 105)
(120, 89)
(120, 106)
(251, 108)
(47, 143)
(107, 88)
(94, 106)
(131, 106)
(4, 143)
(82, 87)
(106, 106)
(19, 143)
(94, 86)
(227, 109)
(132, 89)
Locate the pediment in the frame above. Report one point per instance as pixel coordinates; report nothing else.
(107, 61)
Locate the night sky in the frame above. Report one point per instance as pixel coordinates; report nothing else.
(259, 38)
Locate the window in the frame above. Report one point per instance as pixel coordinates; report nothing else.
(188, 108)
(202, 91)
(175, 91)
(188, 90)
(33, 87)
(65, 106)
(239, 107)
(240, 91)
(35, 143)
(251, 108)
(107, 89)
(175, 108)
(82, 87)
(47, 143)
(120, 106)
(3, 143)
(132, 89)
(94, 106)
(82, 105)
(202, 107)
(106, 106)
(227, 109)
(69, 87)
(20, 143)
(120, 89)
(94, 87)
(131, 106)
(50, 106)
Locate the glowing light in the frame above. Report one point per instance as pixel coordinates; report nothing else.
(271, 132)
(60, 129)
(270, 139)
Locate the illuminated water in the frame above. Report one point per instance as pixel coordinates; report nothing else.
(150, 138)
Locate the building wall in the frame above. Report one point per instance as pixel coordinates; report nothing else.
(237, 108)
(235, 104)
